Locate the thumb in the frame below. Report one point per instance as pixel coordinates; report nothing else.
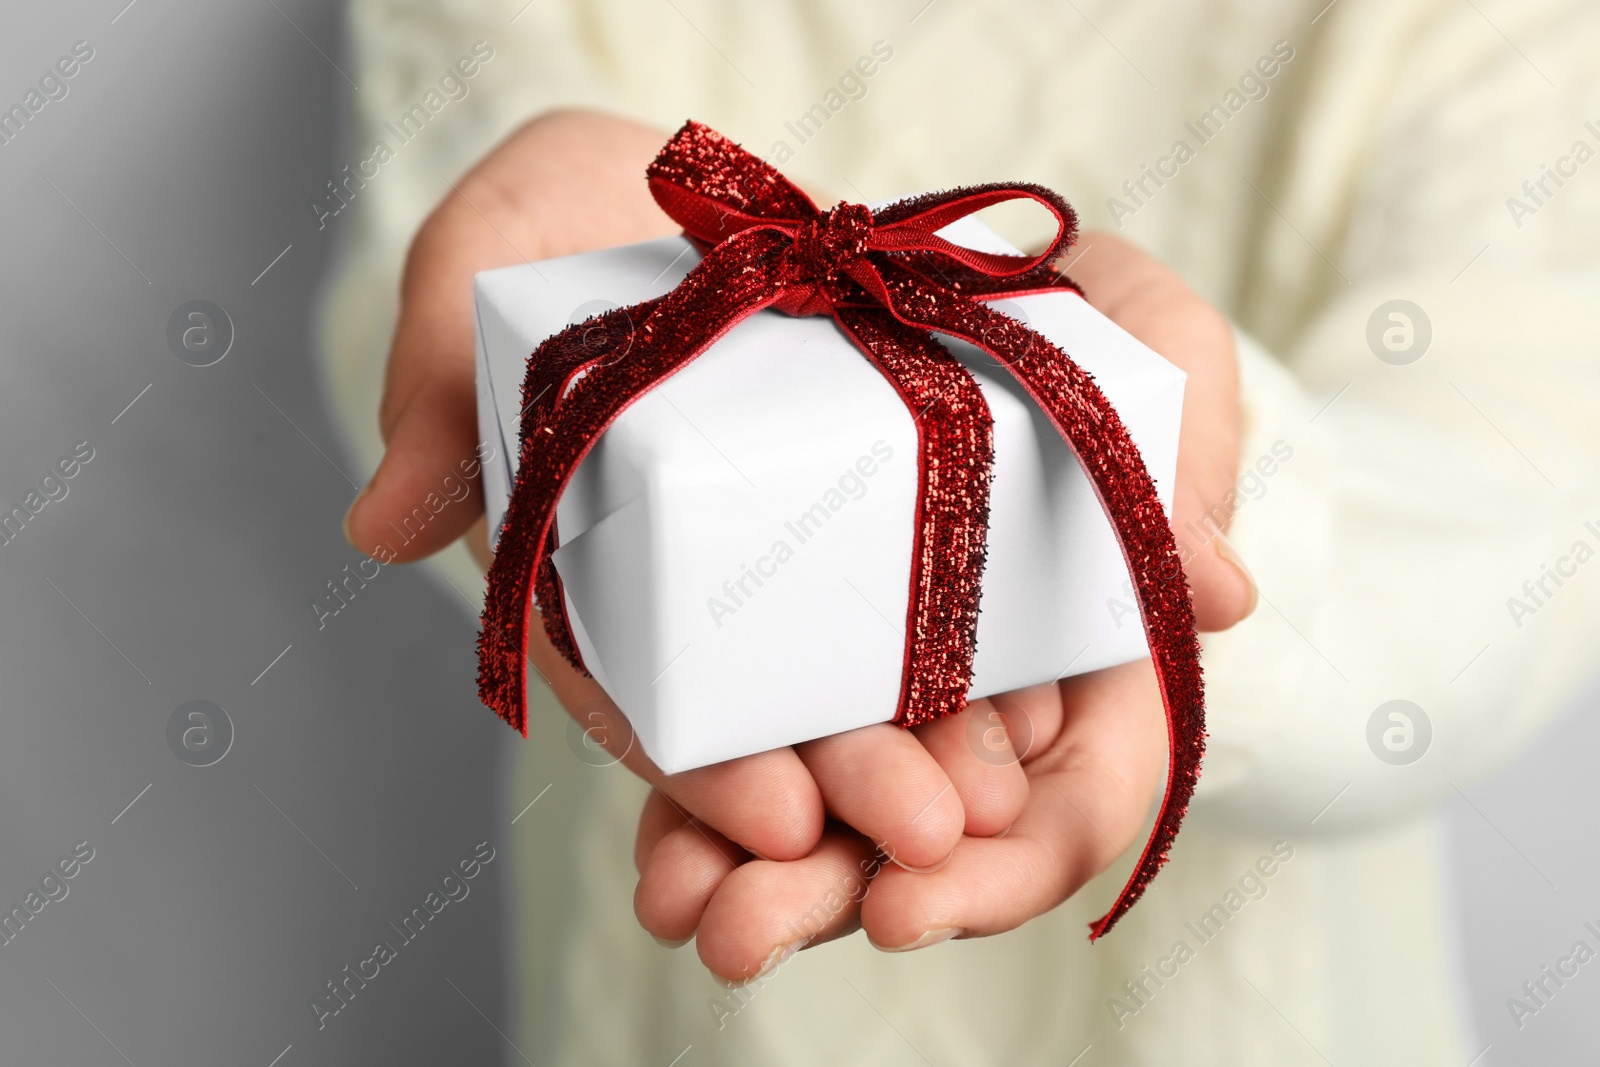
(428, 489)
(1223, 588)
(1155, 305)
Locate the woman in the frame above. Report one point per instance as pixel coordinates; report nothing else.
(1395, 432)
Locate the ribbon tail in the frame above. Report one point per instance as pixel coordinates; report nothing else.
(1090, 425)
(598, 341)
(561, 424)
(522, 567)
(955, 453)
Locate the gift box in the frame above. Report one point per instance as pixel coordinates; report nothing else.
(735, 550)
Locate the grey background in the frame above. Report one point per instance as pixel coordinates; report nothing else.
(194, 541)
(190, 546)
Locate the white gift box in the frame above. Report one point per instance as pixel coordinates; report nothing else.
(736, 549)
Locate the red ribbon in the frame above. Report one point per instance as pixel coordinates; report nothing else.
(887, 280)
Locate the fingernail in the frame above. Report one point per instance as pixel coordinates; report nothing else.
(935, 936)
(775, 959)
(667, 942)
(888, 853)
(1226, 550)
(919, 870)
(351, 511)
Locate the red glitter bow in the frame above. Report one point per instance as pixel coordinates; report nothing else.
(887, 280)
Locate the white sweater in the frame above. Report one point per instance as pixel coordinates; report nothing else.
(1329, 164)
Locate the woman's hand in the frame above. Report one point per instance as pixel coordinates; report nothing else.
(1089, 751)
(566, 183)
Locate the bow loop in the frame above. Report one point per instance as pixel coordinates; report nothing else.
(911, 225)
(714, 189)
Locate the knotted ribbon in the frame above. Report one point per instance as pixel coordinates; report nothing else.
(888, 281)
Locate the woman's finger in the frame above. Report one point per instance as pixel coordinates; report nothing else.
(428, 416)
(658, 818)
(975, 752)
(1223, 587)
(427, 490)
(1154, 304)
(1088, 797)
(678, 878)
(498, 214)
(993, 884)
(763, 913)
(1032, 718)
(767, 803)
(881, 781)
